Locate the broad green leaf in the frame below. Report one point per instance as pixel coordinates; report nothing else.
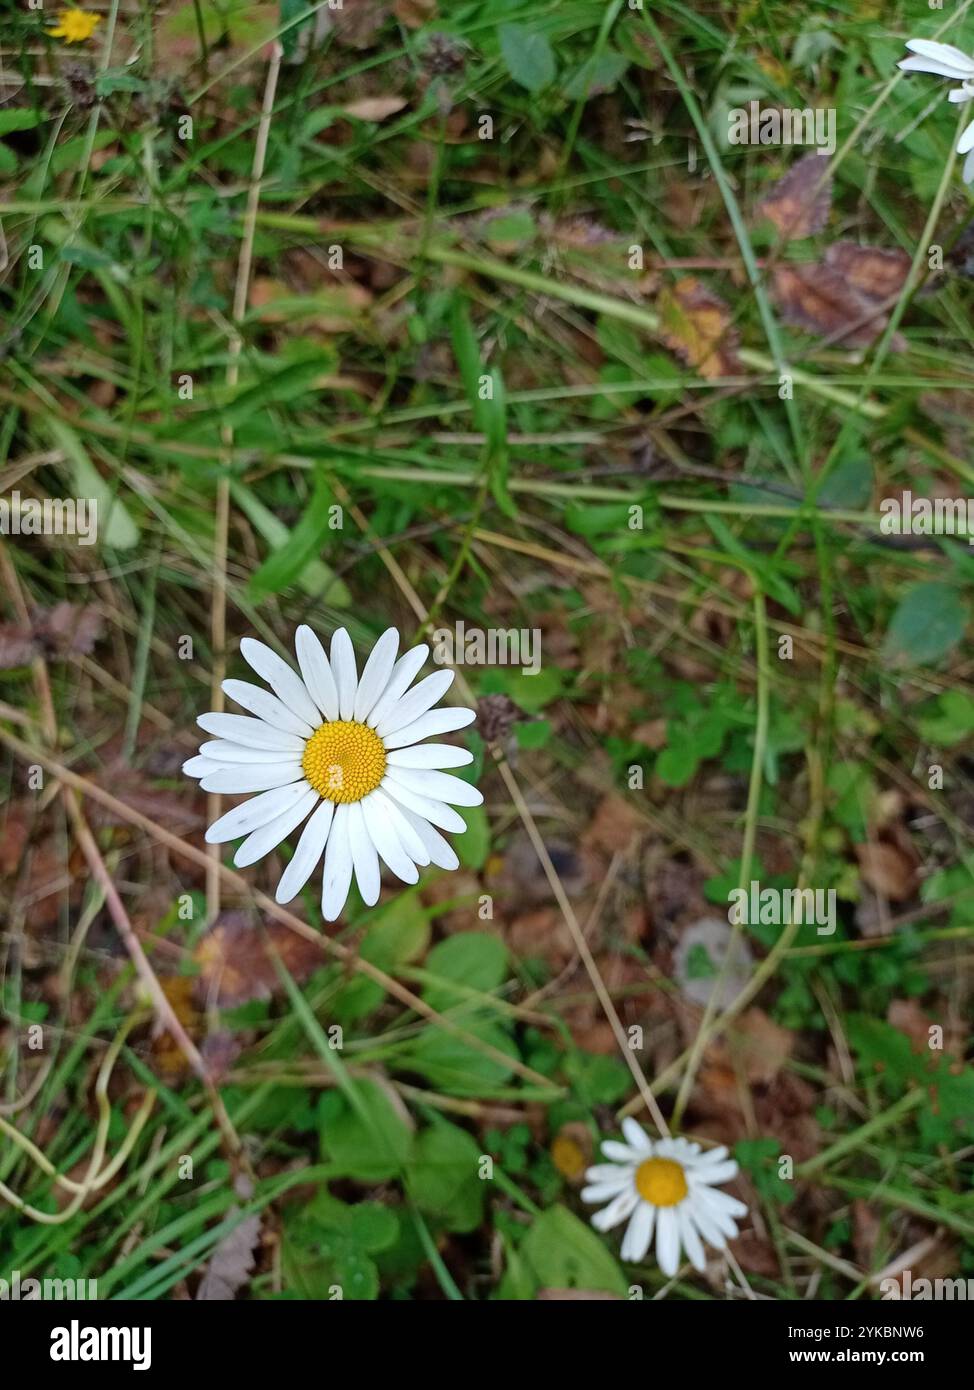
(929, 621)
(563, 1253)
(19, 118)
(370, 1143)
(600, 73)
(473, 959)
(443, 1176)
(473, 845)
(528, 56)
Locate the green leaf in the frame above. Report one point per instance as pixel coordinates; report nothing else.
(473, 959)
(600, 73)
(369, 1142)
(443, 1176)
(950, 719)
(19, 118)
(288, 562)
(115, 526)
(929, 621)
(398, 932)
(288, 384)
(563, 1253)
(528, 56)
(315, 577)
(473, 845)
(460, 1068)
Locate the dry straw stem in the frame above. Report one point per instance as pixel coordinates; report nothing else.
(218, 622)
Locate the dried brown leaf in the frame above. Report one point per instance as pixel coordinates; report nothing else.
(799, 203)
(235, 967)
(695, 324)
(873, 273)
(817, 298)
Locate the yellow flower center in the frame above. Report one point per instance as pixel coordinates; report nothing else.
(74, 26)
(344, 760)
(661, 1182)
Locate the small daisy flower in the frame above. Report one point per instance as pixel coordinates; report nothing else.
(944, 60)
(346, 751)
(75, 26)
(669, 1186)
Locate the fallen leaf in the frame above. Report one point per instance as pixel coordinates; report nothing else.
(799, 203)
(374, 108)
(695, 323)
(235, 967)
(818, 298)
(67, 629)
(873, 273)
(414, 13)
(231, 1263)
(889, 870)
(761, 1045)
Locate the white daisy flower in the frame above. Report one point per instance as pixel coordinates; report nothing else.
(669, 1185)
(944, 60)
(346, 751)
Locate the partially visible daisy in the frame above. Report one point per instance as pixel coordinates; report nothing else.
(944, 60)
(345, 750)
(669, 1186)
(74, 26)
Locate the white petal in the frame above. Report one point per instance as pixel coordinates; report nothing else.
(202, 767)
(932, 66)
(252, 814)
(616, 1211)
(636, 1136)
(268, 837)
(255, 733)
(667, 1240)
(386, 841)
(711, 1156)
(307, 853)
(337, 876)
(260, 777)
(605, 1191)
(609, 1173)
(343, 666)
(958, 94)
(704, 1200)
(436, 812)
(267, 707)
(288, 687)
(718, 1201)
(437, 721)
(430, 755)
(639, 1233)
(438, 786)
(944, 53)
(316, 671)
(966, 141)
(707, 1226)
(221, 750)
(406, 668)
(376, 673)
(621, 1153)
(406, 835)
(441, 853)
(715, 1173)
(689, 1237)
(365, 860)
(415, 702)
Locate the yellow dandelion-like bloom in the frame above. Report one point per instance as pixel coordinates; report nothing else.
(74, 26)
